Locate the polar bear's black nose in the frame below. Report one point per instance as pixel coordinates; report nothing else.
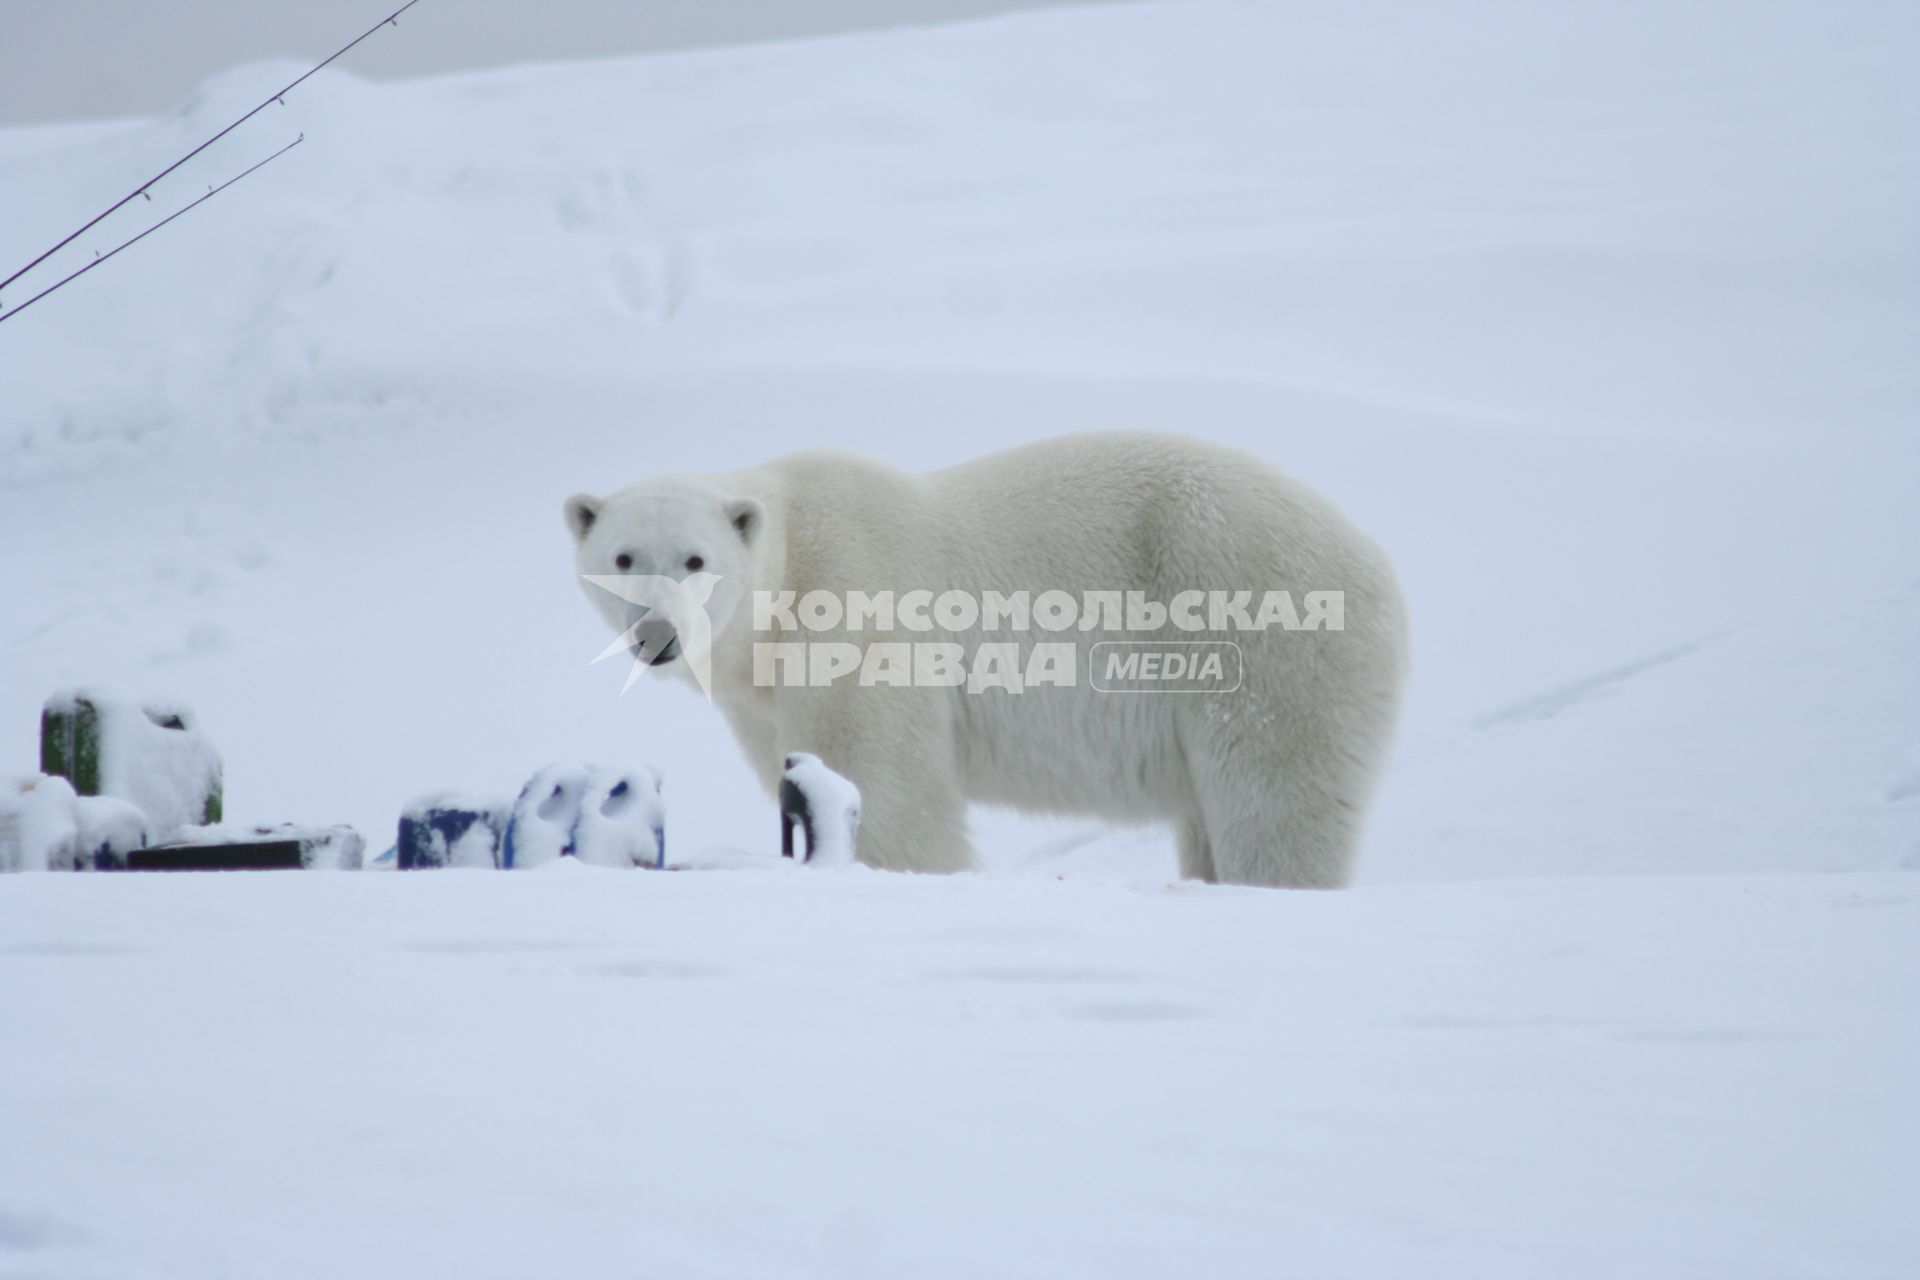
(655, 641)
(623, 562)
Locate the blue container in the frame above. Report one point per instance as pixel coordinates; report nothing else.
(447, 830)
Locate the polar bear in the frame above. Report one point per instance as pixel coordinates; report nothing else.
(835, 621)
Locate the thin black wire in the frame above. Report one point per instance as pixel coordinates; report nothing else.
(141, 190)
(211, 193)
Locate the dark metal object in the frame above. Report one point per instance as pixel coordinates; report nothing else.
(256, 855)
(796, 815)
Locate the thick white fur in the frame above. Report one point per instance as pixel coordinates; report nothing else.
(1265, 785)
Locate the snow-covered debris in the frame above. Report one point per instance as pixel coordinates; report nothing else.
(149, 752)
(330, 848)
(451, 829)
(610, 817)
(39, 826)
(109, 829)
(823, 807)
(335, 848)
(544, 816)
(622, 820)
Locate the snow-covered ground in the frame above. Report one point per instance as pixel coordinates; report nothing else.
(585, 1072)
(1600, 317)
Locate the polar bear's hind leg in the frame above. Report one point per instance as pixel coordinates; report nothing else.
(1282, 808)
(1196, 856)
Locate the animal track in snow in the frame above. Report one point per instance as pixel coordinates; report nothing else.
(645, 267)
(1551, 702)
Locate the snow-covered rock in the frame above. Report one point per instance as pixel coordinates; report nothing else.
(823, 807)
(622, 820)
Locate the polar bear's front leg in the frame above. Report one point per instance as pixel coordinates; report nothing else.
(896, 745)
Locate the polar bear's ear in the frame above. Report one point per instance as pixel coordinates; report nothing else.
(747, 516)
(582, 510)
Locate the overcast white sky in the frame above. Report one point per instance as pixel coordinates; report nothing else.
(71, 59)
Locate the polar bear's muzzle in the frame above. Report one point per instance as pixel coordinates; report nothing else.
(656, 642)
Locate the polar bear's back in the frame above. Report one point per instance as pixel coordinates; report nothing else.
(1134, 510)
(1157, 512)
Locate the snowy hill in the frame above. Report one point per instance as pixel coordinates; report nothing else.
(1599, 317)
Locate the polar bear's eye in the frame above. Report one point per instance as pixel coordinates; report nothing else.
(696, 563)
(623, 561)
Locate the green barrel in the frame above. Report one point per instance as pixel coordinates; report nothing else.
(71, 745)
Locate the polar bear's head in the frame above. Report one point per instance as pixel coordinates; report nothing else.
(682, 549)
